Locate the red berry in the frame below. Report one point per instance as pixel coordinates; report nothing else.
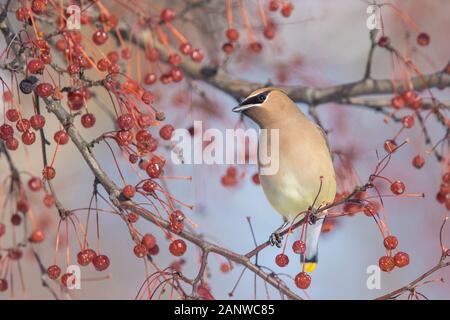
(150, 78)
(36, 66)
(397, 187)
(256, 47)
(225, 267)
(49, 200)
(6, 131)
(174, 59)
(186, 48)
(147, 97)
(412, 99)
(113, 56)
(39, 6)
(73, 68)
(12, 144)
(2, 229)
(418, 161)
(371, 208)
(153, 54)
(21, 14)
(12, 115)
(132, 217)
(282, 260)
(129, 191)
(44, 90)
(23, 125)
(197, 55)
(125, 121)
(273, 5)
(103, 64)
(28, 137)
(85, 257)
(177, 247)
(88, 120)
(66, 277)
(101, 262)
(232, 34)
(255, 179)
(149, 186)
(48, 173)
(15, 254)
(166, 131)
(302, 280)
(390, 146)
(37, 122)
(167, 15)
(149, 241)
(386, 263)
(100, 37)
(61, 137)
(126, 53)
(37, 236)
(53, 272)
(269, 31)
(286, 9)
(398, 102)
(390, 242)
(231, 171)
(23, 206)
(154, 169)
(124, 137)
(228, 48)
(401, 259)
(16, 219)
(384, 41)
(176, 74)
(299, 247)
(408, 122)
(140, 250)
(3, 285)
(154, 251)
(423, 39)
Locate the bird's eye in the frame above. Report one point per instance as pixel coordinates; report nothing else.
(262, 97)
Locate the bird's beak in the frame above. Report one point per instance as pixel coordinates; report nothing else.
(243, 107)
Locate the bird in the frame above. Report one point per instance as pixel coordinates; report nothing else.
(305, 179)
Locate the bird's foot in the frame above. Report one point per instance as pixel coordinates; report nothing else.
(312, 215)
(276, 239)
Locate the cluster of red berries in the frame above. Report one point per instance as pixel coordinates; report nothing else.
(400, 259)
(443, 196)
(84, 258)
(269, 30)
(409, 98)
(185, 48)
(302, 280)
(423, 39)
(231, 177)
(23, 126)
(147, 246)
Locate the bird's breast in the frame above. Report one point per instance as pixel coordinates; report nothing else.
(305, 173)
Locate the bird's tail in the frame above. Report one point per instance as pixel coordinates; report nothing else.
(310, 257)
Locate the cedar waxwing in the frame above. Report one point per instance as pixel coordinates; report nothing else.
(305, 163)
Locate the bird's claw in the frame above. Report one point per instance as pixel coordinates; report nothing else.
(275, 239)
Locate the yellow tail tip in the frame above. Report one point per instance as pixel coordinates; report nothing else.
(310, 266)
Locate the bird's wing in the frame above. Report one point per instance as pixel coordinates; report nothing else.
(325, 137)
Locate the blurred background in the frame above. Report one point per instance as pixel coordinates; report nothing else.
(323, 43)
